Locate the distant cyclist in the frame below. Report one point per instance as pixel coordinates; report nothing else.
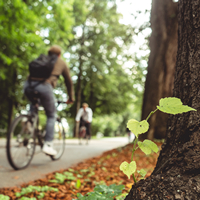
(84, 116)
(44, 89)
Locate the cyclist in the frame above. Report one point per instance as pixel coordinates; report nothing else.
(84, 116)
(44, 88)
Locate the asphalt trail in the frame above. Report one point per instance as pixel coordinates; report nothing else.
(42, 164)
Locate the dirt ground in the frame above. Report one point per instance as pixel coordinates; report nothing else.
(86, 175)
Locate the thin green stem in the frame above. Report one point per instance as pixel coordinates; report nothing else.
(135, 142)
(151, 113)
(134, 179)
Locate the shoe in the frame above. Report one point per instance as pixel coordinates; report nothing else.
(48, 149)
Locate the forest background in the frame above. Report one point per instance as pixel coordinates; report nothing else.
(98, 45)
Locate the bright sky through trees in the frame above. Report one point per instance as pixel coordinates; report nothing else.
(129, 7)
(136, 13)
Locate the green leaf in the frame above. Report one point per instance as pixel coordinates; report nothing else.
(147, 146)
(144, 148)
(138, 127)
(80, 196)
(173, 105)
(142, 173)
(79, 176)
(41, 195)
(102, 192)
(4, 197)
(54, 181)
(17, 194)
(27, 198)
(78, 184)
(121, 196)
(127, 168)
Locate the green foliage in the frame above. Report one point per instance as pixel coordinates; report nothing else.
(171, 105)
(32, 188)
(113, 124)
(69, 176)
(4, 197)
(91, 37)
(78, 184)
(60, 178)
(97, 54)
(128, 168)
(121, 196)
(107, 124)
(27, 29)
(27, 198)
(147, 146)
(142, 173)
(138, 127)
(41, 195)
(102, 192)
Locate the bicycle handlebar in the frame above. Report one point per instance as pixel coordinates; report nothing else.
(64, 102)
(59, 102)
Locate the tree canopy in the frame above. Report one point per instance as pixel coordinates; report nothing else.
(95, 46)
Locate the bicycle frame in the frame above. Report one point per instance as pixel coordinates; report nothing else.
(20, 146)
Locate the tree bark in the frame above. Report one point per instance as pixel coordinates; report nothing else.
(78, 96)
(10, 111)
(79, 83)
(176, 175)
(10, 99)
(161, 65)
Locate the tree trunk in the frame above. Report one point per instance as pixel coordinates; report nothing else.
(10, 99)
(161, 65)
(10, 111)
(78, 97)
(176, 175)
(79, 82)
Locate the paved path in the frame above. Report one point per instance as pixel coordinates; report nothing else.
(42, 164)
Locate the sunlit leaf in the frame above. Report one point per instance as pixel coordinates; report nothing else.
(4, 197)
(142, 173)
(144, 148)
(127, 168)
(138, 127)
(78, 184)
(173, 105)
(147, 146)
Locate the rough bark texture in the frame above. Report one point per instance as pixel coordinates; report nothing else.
(161, 65)
(177, 173)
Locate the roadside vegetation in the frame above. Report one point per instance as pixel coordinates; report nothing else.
(99, 172)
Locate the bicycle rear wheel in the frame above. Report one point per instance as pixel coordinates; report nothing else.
(20, 145)
(59, 140)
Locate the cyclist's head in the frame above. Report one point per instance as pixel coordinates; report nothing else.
(55, 49)
(84, 105)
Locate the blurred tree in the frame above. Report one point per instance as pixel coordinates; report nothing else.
(27, 28)
(97, 54)
(161, 65)
(96, 48)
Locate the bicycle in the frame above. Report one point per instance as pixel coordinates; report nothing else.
(83, 134)
(24, 134)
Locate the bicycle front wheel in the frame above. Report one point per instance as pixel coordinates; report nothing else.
(20, 145)
(59, 140)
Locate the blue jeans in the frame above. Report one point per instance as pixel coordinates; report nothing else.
(47, 100)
